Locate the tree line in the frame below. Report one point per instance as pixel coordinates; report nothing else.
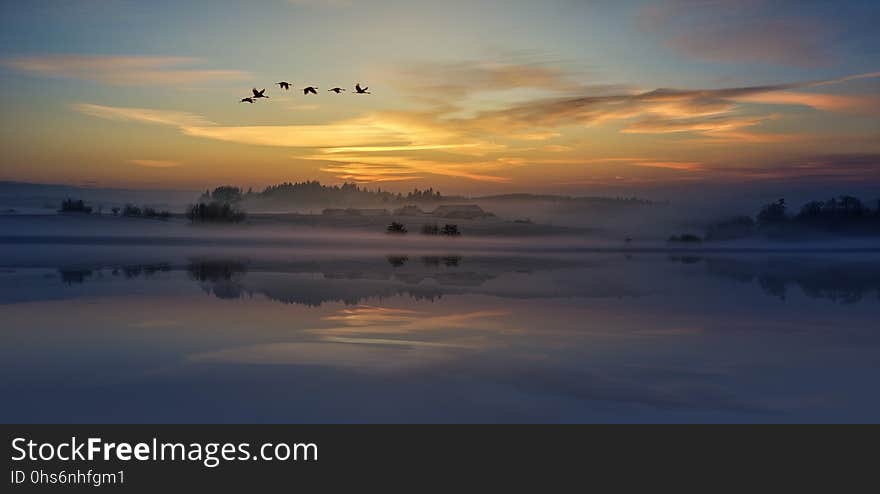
(314, 192)
(843, 214)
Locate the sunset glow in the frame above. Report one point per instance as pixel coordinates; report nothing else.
(563, 96)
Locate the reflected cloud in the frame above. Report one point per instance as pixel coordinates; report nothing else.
(366, 342)
(360, 357)
(381, 320)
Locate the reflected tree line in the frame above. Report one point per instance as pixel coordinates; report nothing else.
(840, 281)
(76, 276)
(225, 280)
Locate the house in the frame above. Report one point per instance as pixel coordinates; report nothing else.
(354, 212)
(461, 211)
(368, 212)
(410, 211)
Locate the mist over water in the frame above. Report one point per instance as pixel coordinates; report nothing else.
(194, 333)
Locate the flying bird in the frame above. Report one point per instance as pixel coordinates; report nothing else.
(284, 85)
(310, 89)
(336, 90)
(259, 94)
(361, 90)
(247, 100)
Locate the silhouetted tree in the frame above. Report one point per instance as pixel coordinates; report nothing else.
(397, 261)
(226, 194)
(450, 230)
(74, 206)
(811, 211)
(773, 213)
(131, 210)
(396, 227)
(215, 212)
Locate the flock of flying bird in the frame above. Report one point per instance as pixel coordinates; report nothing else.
(306, 91)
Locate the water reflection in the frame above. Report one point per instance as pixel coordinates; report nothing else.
(73, 276)
(841, 281)
(354, 281)
(441, 337)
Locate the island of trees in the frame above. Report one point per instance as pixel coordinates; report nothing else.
(129, 210)
(842, 216)
(313, 193)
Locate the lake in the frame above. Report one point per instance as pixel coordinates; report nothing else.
(94, 334)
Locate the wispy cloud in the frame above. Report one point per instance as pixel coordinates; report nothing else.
(123, 70)
(452, 80)
(155, 163)
(143, 115)
(487, 145)
(861, 104)
(714, 113)
(348, 147)
(860, 168)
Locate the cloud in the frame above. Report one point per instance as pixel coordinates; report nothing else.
(155, 163)
(457, 79)
(122, 70)
(396, 168)
(858, 168)
(671, 165)
(862, 104)
(353, 149)
(143, 115)
(556, 148)
(713, 113)
(486, 145)
(374, 339)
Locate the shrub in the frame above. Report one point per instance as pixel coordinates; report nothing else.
(152, 213)
(223, 194)
(396, 227)
(131, 210)
(450, 230)
(215, 212)
(430, 229)
(773, 213)
(74, 206)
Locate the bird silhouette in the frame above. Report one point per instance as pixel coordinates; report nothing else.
(336, 90)
(259, 94)
(284, 85)
(361, 90)
(310, 89)
(247, 100)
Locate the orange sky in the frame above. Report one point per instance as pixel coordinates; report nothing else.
(646, 95)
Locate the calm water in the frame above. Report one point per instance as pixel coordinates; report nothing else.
(105, 335)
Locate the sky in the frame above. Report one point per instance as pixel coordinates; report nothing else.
(489, 96)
